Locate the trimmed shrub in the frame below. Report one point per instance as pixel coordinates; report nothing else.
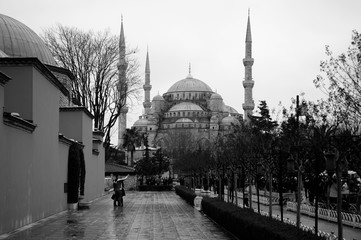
(186, 193)
(244, 223)
(155, 187)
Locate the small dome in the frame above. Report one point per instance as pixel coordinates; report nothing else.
(229, 120)
(184, 120)
(18, 40)
(189, 84)
(185, 106)
(141, 122)
(216, 96)
(158, 98)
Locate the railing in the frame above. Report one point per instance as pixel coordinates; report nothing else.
(328, 236)
(353, 220)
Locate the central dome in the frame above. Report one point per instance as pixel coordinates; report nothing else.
(18, 40)
(189, 84)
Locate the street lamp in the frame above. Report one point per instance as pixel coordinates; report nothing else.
(333, 163)
(291, 164)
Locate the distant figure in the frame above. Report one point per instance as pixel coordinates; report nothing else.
(118, 186)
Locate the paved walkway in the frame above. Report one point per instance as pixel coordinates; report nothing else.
(145, 215)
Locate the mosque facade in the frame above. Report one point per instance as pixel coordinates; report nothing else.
(190, 110)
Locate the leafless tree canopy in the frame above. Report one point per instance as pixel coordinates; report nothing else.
(92, 58)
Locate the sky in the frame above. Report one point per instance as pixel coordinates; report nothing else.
(289, 39)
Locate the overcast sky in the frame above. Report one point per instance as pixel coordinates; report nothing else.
(289, 39)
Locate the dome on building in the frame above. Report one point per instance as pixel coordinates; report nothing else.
(229, 109)
(216, 96)
(141, 122)
(184, 120)
(18, 40)
(189, 84)
(229, 120)
(2, 54)
(185, 106)
(158, 98)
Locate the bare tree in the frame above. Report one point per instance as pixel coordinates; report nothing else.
(92, 58)
(341, 81)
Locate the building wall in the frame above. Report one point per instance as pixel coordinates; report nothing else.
(77, 124)
(33, 165)
(21, 99)
(31, 171)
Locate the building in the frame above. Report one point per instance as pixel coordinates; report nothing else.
(190, 113)
(38, 124)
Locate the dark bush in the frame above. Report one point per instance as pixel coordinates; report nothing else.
(155, 187)
(246, 224)
(185, 193)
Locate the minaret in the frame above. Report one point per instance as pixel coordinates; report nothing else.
(122, 88)
(248, 83)
(147, 87)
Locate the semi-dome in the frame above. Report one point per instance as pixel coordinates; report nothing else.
(185, 106)
(189, 84)
(229, 109)
(229, 120)
(216, 96)
(158, 98)
(141, 122)
(18, 40)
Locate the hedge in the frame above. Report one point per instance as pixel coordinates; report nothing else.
(244, 223)
(185, 193)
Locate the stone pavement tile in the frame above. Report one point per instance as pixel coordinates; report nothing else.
(145, 215)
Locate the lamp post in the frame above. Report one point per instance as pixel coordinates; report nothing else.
(332, 164)
(259, 173)
(291, 165)
(228, 183)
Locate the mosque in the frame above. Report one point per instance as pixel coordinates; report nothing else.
(191, 109)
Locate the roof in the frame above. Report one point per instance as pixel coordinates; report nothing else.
(18, 40)
(189, 84)
(117, 168)
(185, 106)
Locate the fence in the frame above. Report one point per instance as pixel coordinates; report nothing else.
(353, 220)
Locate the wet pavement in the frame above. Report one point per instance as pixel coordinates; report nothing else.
(145, 215)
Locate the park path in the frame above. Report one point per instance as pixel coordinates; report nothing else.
(145, 215)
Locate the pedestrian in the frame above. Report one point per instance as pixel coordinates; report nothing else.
(118, 186)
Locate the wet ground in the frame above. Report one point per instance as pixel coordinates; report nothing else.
(145, 215)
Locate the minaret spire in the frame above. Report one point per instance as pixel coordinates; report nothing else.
(189, 71)
(248, 82)
(147, 87)
(122, 87)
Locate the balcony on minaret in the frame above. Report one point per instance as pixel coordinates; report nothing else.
(248, 84)
(248, 61)
(147, 87)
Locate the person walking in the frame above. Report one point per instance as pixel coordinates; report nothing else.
(118, 186)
